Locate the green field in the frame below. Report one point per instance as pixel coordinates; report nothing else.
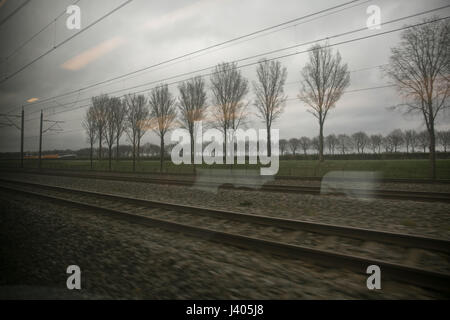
(301, 168)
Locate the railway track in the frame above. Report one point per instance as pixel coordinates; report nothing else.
(277, 177)
(238, 228)
(315, 190)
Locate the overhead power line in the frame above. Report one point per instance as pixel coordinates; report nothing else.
(37, 33)
(351, 71)
(259, 55)
(198, 51)
(358, 90)
(170, 84)
(64, 42)
(274, 58)
(14, 12)
(55, 133)
(289, 99)
(263, 34)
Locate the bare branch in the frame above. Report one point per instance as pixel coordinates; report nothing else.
(324, 79)
(419, 67)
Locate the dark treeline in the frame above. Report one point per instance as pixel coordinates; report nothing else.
(398, 144)
(359, 143)
(125, 152)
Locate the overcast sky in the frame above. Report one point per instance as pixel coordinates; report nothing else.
(146, 32)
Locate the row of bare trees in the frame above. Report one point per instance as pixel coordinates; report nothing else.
(360, 142)
(419, 67)
(108, 118)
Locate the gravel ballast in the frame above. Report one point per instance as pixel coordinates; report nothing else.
(122, 260)
(412, 217)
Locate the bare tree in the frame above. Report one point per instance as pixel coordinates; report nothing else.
(305, 144)
(396, 139)
(315, 144)
(375, 142)
(420, 68)
(150, 149)
(163, 113)
(444, 139)
(344, 143)
(192, 106)
(229, 88)
(90, 126)
(110, 126)
(168, 148)
(387, 144)
(126, 151)
(410, 137)
(360, 140)
(294, 144)
(142, 130)
(120, 115)
(136, 116)
(325, 78)
(331, 141)
(99, 105)
(423, 140)
(269, 91)
(284, 144)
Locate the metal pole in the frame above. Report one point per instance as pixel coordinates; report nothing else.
(40, 143)
(21, 138)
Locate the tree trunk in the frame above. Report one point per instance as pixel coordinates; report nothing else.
(92, 154)
(139, 148)
(321, 142)
(117, 148)
(269, 145)
(100, 146)
(134, 153)
(161, 154)
(193, 150)
(432, 152)
(110, 156)
(225, 146)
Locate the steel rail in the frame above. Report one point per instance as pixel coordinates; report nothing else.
(352, 192)
(424, 278)
(400, 239)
